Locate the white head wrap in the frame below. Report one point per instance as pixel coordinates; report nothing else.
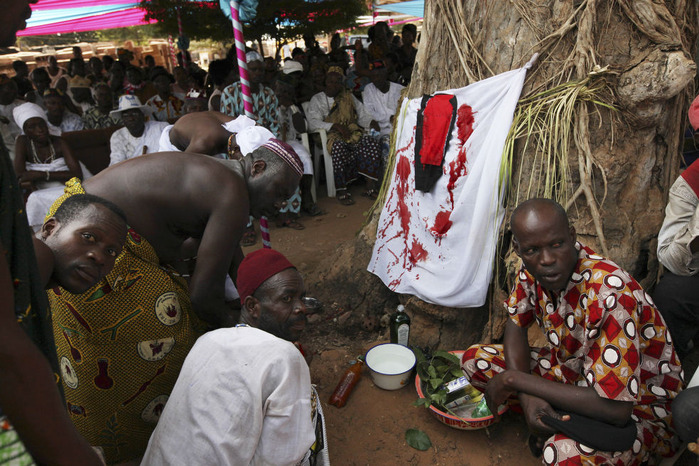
(24, 112)
(239, 124)
(252, 137)
(253, 56)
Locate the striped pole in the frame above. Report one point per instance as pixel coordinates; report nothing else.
(173, 55)
(247, 98)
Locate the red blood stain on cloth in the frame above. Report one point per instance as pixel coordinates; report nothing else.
(457, 169)
(416, 253)
(442, 224)
(464, 122)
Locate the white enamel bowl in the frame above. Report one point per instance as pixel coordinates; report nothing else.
(390, 365)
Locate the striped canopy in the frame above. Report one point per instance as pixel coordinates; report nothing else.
(63, 16)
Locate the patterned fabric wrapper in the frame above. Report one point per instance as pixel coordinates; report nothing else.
(121, 345)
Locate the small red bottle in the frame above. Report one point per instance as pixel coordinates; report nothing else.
(347, 383)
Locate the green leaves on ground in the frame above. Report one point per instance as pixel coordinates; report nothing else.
(417, 439)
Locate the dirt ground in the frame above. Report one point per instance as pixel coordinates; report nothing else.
(370, 428)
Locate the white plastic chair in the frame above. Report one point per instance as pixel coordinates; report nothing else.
(327, 160)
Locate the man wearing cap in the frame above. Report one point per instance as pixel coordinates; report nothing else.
(346, 120)
(138, 136)
(195, 101)
(60, 119)
(100, 116)
(264, 102)
(164, 105)
(244, 394)
(678, 250)
(380, 97)
(293, 123)
(134, 328)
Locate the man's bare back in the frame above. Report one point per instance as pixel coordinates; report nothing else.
(201, 132)
(172, 196)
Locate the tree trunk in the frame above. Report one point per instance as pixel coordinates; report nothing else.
(620, 164)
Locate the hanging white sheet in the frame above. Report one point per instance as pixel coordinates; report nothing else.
(440, 245)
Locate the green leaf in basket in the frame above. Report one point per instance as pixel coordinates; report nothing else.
(442, 369)
(422, 402)
(417, 439)
(447, 356)
(432, 372)
(457, 372)
(435, 383)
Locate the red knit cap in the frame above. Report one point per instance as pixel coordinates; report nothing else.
(257, 267)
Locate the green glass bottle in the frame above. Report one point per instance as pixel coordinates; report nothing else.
(400, 326)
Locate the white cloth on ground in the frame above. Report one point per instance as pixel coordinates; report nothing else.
(243, 397)
(382, 106)
(680, 228)
(124, 146)
(440, 245)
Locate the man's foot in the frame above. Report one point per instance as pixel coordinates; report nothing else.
(313, 210)
(536, 445)
(249, 237)
(291, 223)
(345, 198)
(371, 194)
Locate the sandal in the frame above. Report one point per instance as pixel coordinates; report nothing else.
(292, 224)
(345, 198)
(371, 194)
(313, 210)
(249, 238)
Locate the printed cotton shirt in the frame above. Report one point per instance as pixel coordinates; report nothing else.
(264, 105)
(164, 111)
(604, 332)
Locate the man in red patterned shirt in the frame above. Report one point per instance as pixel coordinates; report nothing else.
(609, 367)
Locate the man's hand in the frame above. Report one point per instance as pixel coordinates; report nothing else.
(496, 392)
(534, 408)
(342, 129)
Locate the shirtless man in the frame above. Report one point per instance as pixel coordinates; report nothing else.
(139, 316)
(202, 132)
(170, 197)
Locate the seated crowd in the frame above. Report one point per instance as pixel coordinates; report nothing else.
(176, 373)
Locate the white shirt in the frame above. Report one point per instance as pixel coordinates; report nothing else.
(243, 397)
(319, 109)
(124, 146)
(70, 122)
(680, 227)
(382, 106)
(10, 131)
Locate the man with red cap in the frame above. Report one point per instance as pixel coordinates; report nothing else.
(244, 394)
(144, 315)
